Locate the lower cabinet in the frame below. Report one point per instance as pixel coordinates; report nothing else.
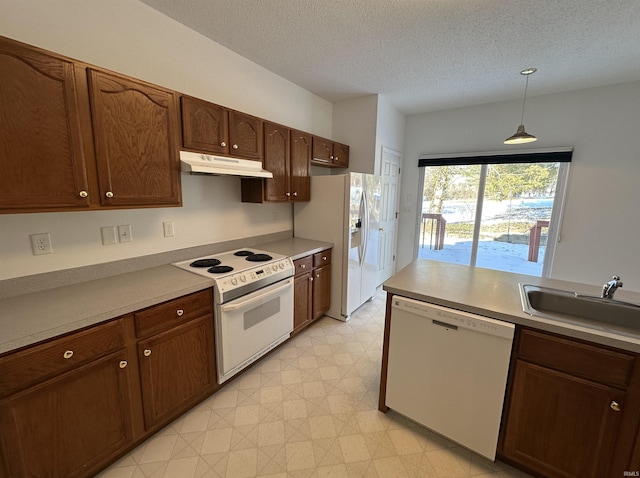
(176, 355)
(175, 368)
(312, 288)
(72, 422)
(71, 405)
(566, 405)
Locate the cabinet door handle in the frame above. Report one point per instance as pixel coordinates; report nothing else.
(68, 354)
(123, 363)
(147, 352)
(317, 275)
(287, 194)
(235, 146)
(179, 312)
(311, 279)
(109, 194)
(615, 406)
(295, 193)
(223, 144)
(331, 158)
(324, 258)
(83, 194)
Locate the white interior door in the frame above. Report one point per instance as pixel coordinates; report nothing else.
(390, 173)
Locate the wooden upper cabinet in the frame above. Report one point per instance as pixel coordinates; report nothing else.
(137, 154)
(340, 155)
(205, 126)
(329, 153)
(300, 160)
(42, 160)
(322, 150)
(214, 129)
(245, 135)
(276, 160)
(287, 155)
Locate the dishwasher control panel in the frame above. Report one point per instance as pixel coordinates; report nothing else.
(454, 319)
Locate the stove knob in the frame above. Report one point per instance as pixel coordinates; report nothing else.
(243, 278)
(274, 267)
(234, 281)
(281, 265)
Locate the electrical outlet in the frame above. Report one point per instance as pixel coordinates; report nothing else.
(41, 244)
(124, 233)
(168, 228)
(109, 236)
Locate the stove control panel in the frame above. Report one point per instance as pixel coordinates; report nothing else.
(272, 270)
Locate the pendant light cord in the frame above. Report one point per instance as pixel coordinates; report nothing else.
(526, 85)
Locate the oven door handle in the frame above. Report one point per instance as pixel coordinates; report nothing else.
(245, 303)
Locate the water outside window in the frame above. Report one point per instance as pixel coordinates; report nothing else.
(504, 227)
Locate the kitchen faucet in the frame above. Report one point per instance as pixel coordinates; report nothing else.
(610, 287)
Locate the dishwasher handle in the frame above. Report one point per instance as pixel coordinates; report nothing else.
(445, 325)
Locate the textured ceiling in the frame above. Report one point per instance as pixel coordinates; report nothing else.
(426, 55)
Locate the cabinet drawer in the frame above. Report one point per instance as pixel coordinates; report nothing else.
(322, 258)
(303, 265)
(171, 313)
(32, 365)
(579, 359)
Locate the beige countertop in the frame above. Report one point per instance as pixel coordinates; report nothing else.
(496, 294)
(30, 318)
(295, 247)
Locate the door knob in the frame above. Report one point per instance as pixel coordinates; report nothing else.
(381, 229)
(615, 406)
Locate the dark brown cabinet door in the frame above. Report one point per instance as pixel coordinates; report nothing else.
(69, 425)
(276, 160)
(321, 290)
(322, 150)
(302, 299)
(42, 161)
(205, 126)
(560, 425)
(340, 155)
(300, 166)
(245, 135)
(135, 128)
(176, 367)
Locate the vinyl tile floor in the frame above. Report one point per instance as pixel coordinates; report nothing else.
(309, 409)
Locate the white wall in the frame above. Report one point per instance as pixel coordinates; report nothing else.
(354, 123)
(131, 38)
(390, 129)
(601, 226)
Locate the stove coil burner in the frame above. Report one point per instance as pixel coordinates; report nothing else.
(205, 263)
(259, 257)
(243, 253)
(219, 269)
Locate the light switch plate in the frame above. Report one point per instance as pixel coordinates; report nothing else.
(124, 233)
(108, 235)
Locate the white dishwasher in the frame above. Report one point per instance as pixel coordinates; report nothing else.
(447, 370)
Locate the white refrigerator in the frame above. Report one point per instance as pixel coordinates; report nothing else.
(345, 210)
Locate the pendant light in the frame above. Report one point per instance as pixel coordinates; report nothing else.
(521, 136)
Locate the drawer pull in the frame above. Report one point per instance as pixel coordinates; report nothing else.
(223, 144)
(235, 146)
(615, 406)
(68, 354)
(180, 312)
(147, 352)
(324, 258)
(123, 363)
(109, 194)
(83, 194)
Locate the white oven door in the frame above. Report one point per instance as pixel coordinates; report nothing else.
(250, 326)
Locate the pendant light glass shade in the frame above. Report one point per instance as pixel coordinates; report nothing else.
(521, 136)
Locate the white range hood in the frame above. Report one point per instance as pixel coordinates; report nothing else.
(221, 165)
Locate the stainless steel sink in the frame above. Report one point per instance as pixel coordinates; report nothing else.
(588, 311)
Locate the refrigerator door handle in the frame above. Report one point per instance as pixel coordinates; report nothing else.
(365, 213)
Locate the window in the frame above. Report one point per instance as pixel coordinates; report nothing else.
(496, 211)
